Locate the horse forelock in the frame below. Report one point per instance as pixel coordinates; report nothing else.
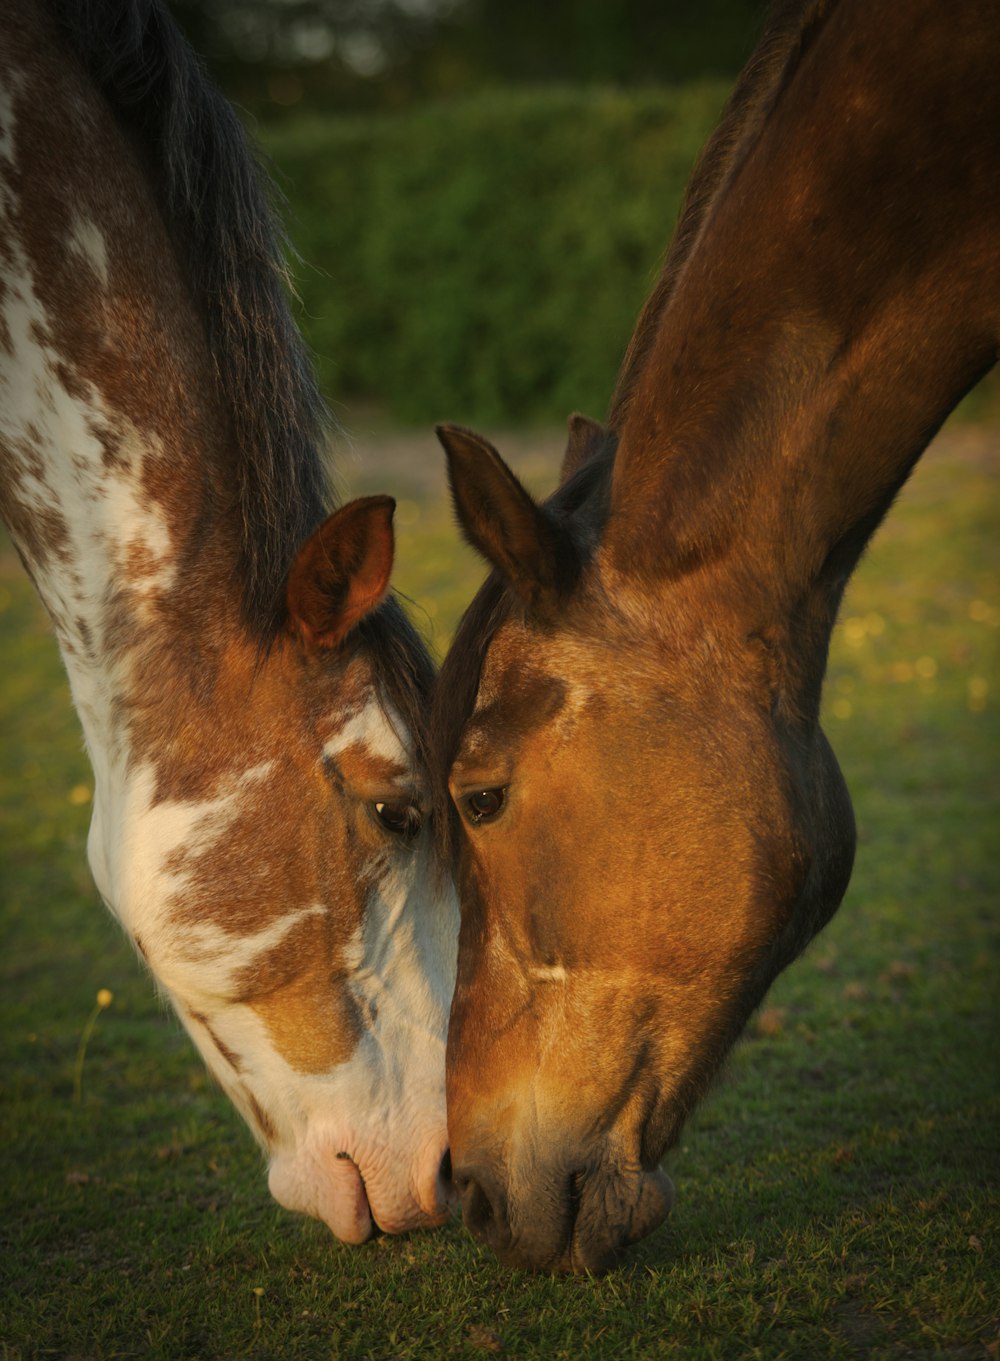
(791, 25)
(402, 675)
(219, 208)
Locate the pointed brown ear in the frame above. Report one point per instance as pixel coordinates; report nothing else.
(341, 572)
(505, 524)
(585, 438)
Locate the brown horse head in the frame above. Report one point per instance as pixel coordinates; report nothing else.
(644, 839)
(648, 822)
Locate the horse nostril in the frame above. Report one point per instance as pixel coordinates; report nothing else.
(445, 1188)
(477, 1209)
(483, 1206)
(444, 1171)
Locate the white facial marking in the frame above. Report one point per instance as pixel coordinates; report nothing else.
(143, 851)
(402, 976)
(370, 728)
(401, 965)
(7, 93)
(548, 973)
(87, 241)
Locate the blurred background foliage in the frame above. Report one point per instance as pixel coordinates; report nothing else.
(274, 55)
(485, 263)
(479, 191)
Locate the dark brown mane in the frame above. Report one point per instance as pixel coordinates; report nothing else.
(219, 207)
(791, 27)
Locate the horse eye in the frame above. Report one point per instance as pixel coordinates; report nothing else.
(401, 819)
(485, 804)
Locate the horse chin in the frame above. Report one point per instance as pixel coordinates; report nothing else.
(327, 1187)
(612, 1218)
(429, 1200)
(358, 1196)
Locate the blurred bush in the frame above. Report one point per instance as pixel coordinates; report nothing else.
(484, 260)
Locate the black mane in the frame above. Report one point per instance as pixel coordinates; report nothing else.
(219, 207)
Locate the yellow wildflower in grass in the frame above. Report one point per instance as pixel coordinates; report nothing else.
(79, 795)
(104, 999)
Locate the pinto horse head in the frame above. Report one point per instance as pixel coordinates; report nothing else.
(253, 699)
(647, 820)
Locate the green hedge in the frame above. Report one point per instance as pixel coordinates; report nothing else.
(485, 260)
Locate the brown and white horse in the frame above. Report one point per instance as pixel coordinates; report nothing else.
(648, 820)
(254, 708)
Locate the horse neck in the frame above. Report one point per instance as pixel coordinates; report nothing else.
(113, 446)
(841, 295)
(116, 448)
(124, 544)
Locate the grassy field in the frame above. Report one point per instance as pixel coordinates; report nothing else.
(839, 1195)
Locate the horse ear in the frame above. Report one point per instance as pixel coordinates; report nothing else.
(585, 438)
(533, 551)
(341, 572)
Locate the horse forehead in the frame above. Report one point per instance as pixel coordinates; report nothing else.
(371, 731)
(518, 694)
(613, 698)
(530, 677)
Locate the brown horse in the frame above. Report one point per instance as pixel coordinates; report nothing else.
(254, 704)
(648, 820)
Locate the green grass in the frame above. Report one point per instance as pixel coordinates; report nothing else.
(837, 1196)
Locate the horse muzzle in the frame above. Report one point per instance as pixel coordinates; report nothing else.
(559, 1219)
